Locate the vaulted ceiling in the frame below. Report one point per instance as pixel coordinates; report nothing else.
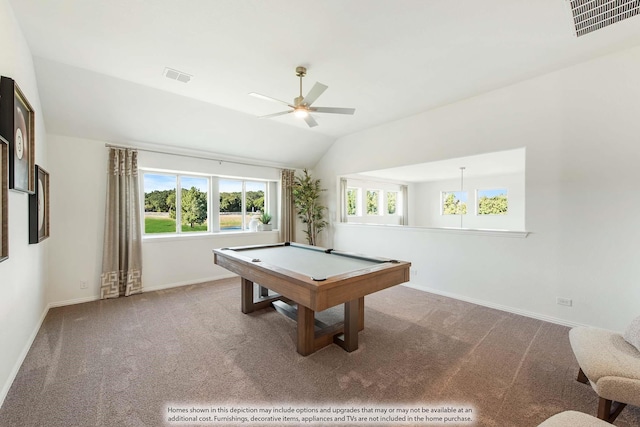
(100, 64)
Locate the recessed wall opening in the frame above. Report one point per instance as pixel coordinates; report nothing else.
(484, 191)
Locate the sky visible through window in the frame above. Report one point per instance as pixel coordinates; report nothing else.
(154, 182)
(491, 193)
(459, 195)
(198, 182)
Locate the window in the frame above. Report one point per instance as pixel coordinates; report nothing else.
(159, 196)
(392, 202)
(373, 202)
(161, 199)
(353, 201)
(230, 204)
(194, 202)
(254, 200)
(492, 202)
(454, 202)
(239, 201)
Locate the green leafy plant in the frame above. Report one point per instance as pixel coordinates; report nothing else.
(265, 218)
(306, 197)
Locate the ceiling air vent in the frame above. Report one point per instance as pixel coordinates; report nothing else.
(592, 15)
(172, 74)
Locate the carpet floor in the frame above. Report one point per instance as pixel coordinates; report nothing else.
(128, 361)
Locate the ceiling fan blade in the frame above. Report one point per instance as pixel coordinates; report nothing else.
(315, 92)
(311, 121)
(281, 113)
(268, 98)
(333, 110)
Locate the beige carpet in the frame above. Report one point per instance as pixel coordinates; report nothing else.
(122, 362)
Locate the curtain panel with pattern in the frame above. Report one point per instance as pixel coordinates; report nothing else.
(122, 254)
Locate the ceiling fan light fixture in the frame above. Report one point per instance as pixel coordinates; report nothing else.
(300, 112)
(301, 107)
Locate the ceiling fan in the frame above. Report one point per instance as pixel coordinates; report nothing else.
(301, 106)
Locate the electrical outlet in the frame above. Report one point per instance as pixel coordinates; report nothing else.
(83, 284)
(564, 301)
(414, 272)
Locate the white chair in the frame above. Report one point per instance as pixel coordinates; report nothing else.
(611, 365)
(573, 419)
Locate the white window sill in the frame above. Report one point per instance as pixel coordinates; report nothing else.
(168, 237)
(464, 231)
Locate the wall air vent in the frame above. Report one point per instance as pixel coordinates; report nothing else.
(592, 15)
(172, 74)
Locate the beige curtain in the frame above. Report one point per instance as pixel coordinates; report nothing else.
(343, 200)
(122, 255)
(405, 205)
(288, 207)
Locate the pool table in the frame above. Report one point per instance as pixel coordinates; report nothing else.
(307, 279)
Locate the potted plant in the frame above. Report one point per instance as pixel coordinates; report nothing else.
(306, 197)
(265, 220)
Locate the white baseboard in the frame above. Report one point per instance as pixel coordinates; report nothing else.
(500, 307)
(227, 275)
(145, 289)
(73, 301)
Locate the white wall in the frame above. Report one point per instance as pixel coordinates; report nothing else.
(23, 277)
(78, 167)
(579, 129)
(425, 204)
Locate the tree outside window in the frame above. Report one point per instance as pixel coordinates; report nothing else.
(392, 200)
(454, 202)
(373, 202)
(493, 202)
(160, 203)
(159, 200)
(254, 200)
(194, 204)
(230, 204)
(352, 201)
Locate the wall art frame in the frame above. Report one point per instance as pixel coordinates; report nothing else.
(39, 207)
(4, 199)
(17, 126)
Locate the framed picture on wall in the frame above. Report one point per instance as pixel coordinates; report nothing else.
(17, 126)
(39, 207)
(4, 190)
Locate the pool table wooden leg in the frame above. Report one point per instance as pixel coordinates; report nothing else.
(352, 317)
(247, 296)
(361, 313)
(306, 330)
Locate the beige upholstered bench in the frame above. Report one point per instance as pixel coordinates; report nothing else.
(611, 365)
(573, 419)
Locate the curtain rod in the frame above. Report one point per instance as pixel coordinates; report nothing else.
(194, 156)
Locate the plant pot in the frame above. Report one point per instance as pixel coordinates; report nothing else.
(265, 227)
